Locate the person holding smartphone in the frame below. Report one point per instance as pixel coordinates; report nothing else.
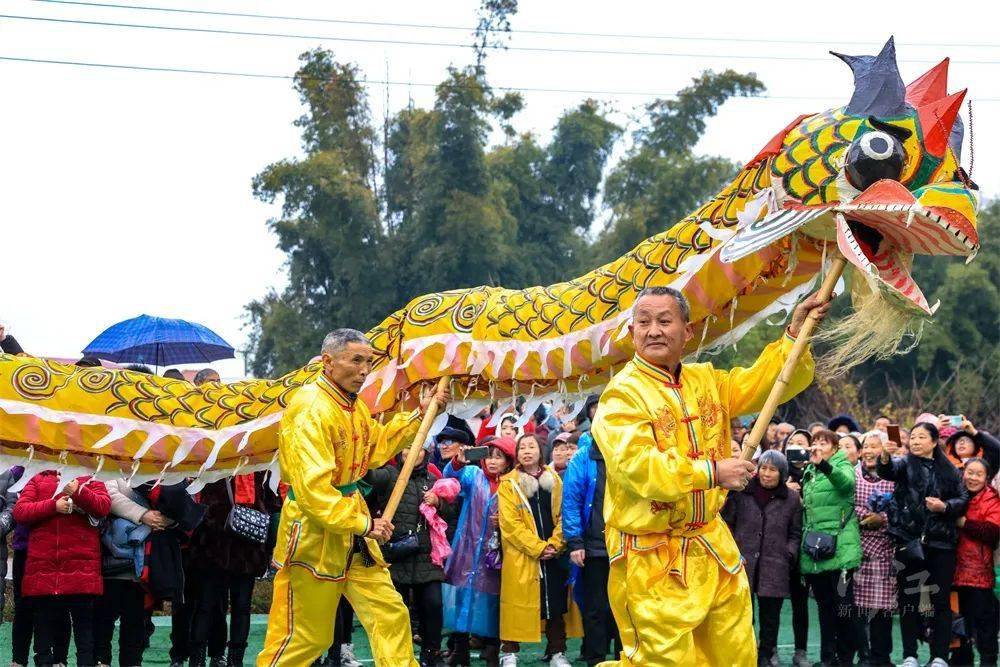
(927, 500)
(472, 576)
(968, 442)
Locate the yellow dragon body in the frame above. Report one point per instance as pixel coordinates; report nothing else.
(877, 181)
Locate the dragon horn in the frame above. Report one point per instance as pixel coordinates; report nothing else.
(931, 86)
(937, 120)
(878, 87)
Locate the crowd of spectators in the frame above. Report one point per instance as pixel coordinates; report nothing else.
(499, 541)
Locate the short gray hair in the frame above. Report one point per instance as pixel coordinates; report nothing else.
(201, 377)
(773, 457)
(681, 300)
(338, 339)
(881, 435)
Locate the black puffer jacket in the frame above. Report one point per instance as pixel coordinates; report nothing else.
(417, 568)
(917, 479)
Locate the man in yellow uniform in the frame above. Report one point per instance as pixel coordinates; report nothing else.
(677, 586)
(327, 542)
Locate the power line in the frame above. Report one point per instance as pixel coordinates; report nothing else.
(470, 29)
(402, 42)
(385, 82)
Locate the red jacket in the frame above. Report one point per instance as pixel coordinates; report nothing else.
(64, 550)
(977, 539)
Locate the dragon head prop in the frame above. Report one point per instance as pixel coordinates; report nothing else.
(880, 177)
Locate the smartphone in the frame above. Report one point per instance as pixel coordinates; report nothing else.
(893, 431)
(955, 420)
(797, 455)
(476, 454)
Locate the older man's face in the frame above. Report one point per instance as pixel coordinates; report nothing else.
(659, 331)
(350, 366)
(784, 430)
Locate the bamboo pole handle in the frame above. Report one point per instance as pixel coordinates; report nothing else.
(411, 455)
(800, 345)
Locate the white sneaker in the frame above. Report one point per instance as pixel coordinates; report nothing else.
(911, 662)
(938, 662)
(508, 659)
(559, 660)
(800, 659)
(347, 658)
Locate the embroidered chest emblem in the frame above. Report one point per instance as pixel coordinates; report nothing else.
(709, 411)
(655, 507)
(666, 423)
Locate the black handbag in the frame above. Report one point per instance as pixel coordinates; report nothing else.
(823, 546)
(402, 548)
(911, 552)
(246, 523)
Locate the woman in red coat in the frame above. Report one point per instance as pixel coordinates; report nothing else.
(63, 568)
(979, 533)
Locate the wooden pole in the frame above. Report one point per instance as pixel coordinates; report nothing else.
(800, 345)
(411, 456)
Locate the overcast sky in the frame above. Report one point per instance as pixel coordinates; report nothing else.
(128, 192)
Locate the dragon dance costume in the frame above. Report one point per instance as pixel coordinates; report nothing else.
(677, 586)
(328, 440)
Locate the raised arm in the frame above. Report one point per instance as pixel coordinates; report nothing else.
(392, 437)
(744, 390)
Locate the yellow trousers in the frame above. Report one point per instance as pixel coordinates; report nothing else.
(662, 623)
(300, 625)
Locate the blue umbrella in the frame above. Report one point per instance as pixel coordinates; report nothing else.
(159, 341)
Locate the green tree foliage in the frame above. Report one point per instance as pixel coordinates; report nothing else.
(446, 210)
(330, 226)
(661, 179)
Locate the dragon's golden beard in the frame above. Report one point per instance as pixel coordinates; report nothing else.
(875, 328)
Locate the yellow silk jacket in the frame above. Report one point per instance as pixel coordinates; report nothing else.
(327, 442)
(659, 436)
(520, 605)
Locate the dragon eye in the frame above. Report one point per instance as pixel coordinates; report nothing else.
(876, 145)
(874, 156)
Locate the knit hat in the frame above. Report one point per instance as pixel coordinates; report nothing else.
(947, 431)
(506, 444)
(843, 420)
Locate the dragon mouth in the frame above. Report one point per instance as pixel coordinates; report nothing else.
(880, 231)
(870, 252)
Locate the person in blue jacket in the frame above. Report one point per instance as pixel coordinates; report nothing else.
(583, 528)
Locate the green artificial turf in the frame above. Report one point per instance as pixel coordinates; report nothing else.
(157, 654)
